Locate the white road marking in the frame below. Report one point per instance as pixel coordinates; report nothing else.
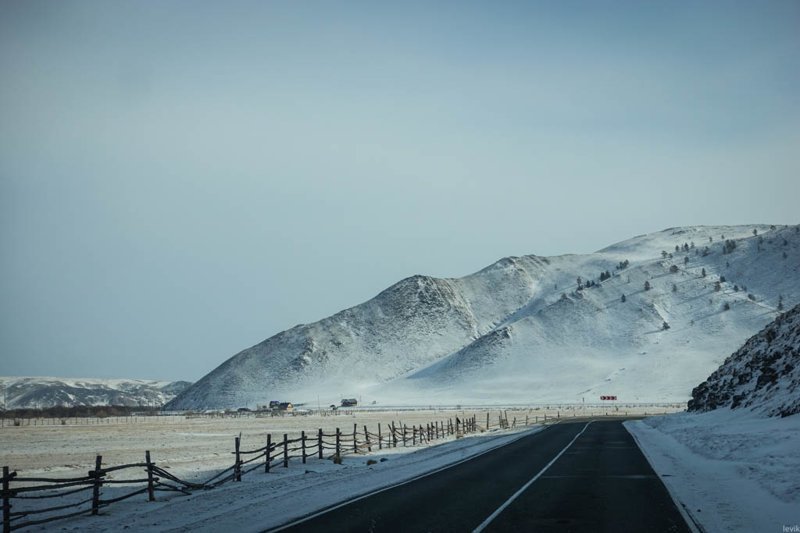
(514, 496)
(384, 489)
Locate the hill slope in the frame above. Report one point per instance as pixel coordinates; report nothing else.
(763, 375)
(527, 329)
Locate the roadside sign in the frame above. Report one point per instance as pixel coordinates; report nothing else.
(608, 397)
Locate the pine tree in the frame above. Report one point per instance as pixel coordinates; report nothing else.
(674, 288)
(647, 285)
(703, 272)
(623, 299)
(665, 326)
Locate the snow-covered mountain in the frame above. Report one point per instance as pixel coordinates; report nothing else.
(530, 328)
(763, 375)
(43, 392)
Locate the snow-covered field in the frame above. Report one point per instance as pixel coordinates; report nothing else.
(192, 447)
(261, 501)
(732, 470)
(195, 448)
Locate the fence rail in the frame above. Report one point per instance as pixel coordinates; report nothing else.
(23, 492)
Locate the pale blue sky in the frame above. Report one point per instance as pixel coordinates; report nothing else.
(180, 180)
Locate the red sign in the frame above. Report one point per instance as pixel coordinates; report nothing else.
(608, 397)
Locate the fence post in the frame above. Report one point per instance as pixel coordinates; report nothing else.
(380, 439)
(96, 474)
(151, 495)
(268, 455)
(414, 435)
(366, 436)
(355, 438)
(7, 500)
(404, 434)
(285, 450)
(338, 443)
(394, 437)
(319, 443)
(237, 467)
(303, 445)
(487, 421)
(526, 420)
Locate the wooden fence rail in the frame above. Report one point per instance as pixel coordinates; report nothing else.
(157, 479)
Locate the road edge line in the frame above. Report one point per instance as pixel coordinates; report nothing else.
(400, 484)
(693, 524)
(530, 482)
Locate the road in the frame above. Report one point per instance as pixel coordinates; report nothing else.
(575, 476)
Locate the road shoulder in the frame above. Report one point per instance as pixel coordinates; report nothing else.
(710, 466)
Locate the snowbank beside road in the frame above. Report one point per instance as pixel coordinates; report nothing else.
(263, 501)
(730, 470)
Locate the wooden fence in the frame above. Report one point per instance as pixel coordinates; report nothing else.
(84, 495)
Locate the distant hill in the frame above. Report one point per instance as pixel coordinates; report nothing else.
(763, 375)
(645, 319)
(43, 392)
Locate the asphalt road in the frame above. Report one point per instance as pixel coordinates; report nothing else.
(568, 477)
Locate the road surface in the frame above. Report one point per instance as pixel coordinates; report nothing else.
(573, 476)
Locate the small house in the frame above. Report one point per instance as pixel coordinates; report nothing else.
(349, 402)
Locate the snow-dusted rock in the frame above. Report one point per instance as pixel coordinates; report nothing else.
(763, 375)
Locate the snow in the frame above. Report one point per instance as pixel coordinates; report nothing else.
(520, 331)
(732, 470)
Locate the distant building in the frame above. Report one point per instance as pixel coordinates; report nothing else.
(349, 402)
(286, 406)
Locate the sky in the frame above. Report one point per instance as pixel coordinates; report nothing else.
(180, 180)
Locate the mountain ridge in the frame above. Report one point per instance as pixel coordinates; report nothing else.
(44, 392)
(428, 339)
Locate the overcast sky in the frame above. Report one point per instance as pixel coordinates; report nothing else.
(181, 180)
